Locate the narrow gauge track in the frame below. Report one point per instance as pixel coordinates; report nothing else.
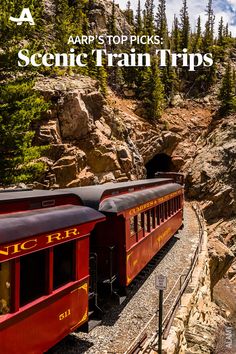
(123, 323)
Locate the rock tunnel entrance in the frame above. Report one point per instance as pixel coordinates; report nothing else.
(159, 163)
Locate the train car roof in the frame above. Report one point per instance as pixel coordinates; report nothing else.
(93, 195)
(127, 201)
(90, 196)
(20, 225)
(34, 193)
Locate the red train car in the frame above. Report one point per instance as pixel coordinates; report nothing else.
(141, 217)
(176, 176)
(22, 200)
(56, 245)
(44, 272)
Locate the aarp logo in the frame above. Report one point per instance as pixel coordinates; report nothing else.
(25, 16)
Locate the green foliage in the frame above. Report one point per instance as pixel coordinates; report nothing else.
(153, 92)
(208, 38)
(11, 34)
(161, 28)
(102, 78)
(138, 20)
(112, 21)
(129, 14)
(175, 37)
(149, 17)
(20, 107)
(197, 37)
(227, 91)
(184, 26)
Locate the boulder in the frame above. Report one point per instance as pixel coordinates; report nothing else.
(49, 133)
(94, 102)
(221, 259)
(65, 170)
(75, 120)
(102, 162)
(86, 177)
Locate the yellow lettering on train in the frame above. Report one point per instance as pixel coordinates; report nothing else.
(18, 247)
(4, 253)
(13, 248)
(26, 245)
(153, 202)
(71, 232)
(51, 238)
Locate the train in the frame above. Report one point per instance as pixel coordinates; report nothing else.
(60, 248)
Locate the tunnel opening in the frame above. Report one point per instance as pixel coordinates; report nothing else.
(159, 163)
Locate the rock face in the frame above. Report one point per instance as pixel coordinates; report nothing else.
(221, 258)
(91, 140)
(99, 18)
(212, 175)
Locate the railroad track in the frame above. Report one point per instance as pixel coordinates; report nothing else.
(142, 344)
(130, 327)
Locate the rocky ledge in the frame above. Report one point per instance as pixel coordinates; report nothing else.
(89, 139)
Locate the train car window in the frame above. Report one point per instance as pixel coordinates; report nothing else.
(147, 221)
(174, 204)
(166, 210)
(161, 213)
(133, 227)
(169, 208)
(142, 221)
(32, 277)
(140, 224)
(178, 203)
(158, 214)
(63, 264)
(5, 295)
(153, 218)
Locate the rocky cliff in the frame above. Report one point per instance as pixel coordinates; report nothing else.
(92, 140)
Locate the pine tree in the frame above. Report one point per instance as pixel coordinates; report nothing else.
(20, 107)
(149, 17)
(138, 20)
(175, 37)
(227, 92)
(234, 81)
(209, 28)
(184, 25)
(226, 30)
(129, 13)
(198, 37)
(11, 35)
(221, 32)
(161, 22)
(112, 21)
(102, 79)
(153, 92)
